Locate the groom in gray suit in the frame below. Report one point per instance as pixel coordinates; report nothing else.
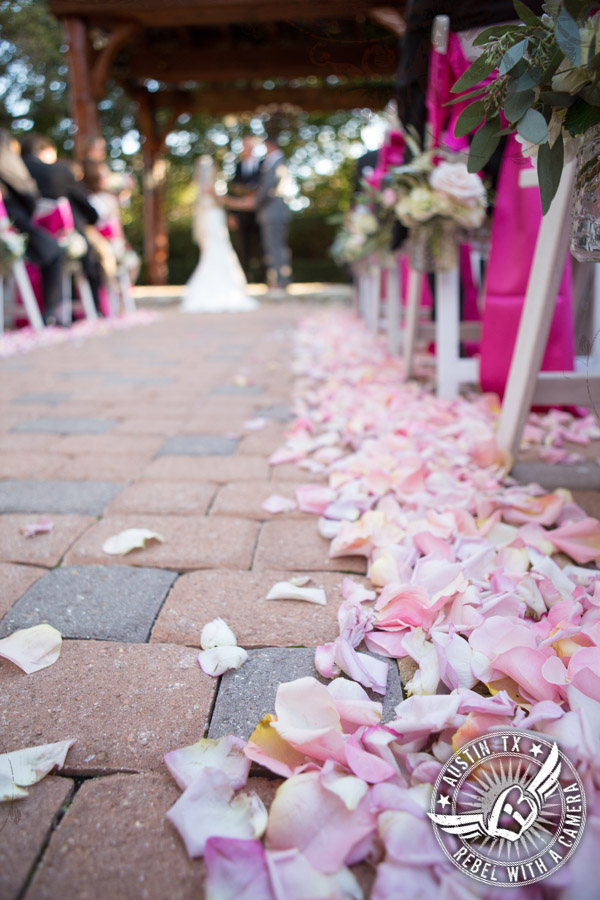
(273, 217)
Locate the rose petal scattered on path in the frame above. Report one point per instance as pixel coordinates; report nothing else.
(32, 649)
(42, 526)
(286, 590)
(128, 540)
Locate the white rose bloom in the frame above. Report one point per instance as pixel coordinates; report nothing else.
(455, 180)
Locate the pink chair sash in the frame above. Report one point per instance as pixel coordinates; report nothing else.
(515, 225)
(58, 220)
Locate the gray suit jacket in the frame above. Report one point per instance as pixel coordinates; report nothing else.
(270, 207)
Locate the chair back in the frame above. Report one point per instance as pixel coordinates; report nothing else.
(54, 216)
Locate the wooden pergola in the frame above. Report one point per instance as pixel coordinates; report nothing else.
(222, 56)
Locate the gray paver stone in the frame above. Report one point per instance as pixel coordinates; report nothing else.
(585, 476)
(244, 390)
(247, 694)
(65, 425)
(45, 399)
(88, 498)
(111, 603)
(198, 445)
(278, 412)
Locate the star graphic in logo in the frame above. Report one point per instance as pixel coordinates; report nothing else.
(444, 801)
(536, 750)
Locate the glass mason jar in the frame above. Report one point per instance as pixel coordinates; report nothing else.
(585, 230)
(433, 245)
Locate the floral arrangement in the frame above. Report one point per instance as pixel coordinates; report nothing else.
(367, 226)
(431, 186)
(547, 88)
(12, 248)
(435, 196)
(74, 244)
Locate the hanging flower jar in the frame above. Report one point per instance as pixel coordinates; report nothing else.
(433, 246)
(585, 231)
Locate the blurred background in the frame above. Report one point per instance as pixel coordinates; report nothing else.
(322, 147)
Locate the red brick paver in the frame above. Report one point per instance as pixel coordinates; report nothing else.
(239, 598)
(42, 549)
(125, 704)
(190, 542)
(24, 827)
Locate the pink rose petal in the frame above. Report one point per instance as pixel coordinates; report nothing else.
(208, 808)
(225, 754)
(236, 870)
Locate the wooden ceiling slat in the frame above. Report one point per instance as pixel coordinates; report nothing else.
(212, 12)
(219, 63)
(220, 101)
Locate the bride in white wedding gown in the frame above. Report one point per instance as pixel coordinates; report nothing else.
(218, 283)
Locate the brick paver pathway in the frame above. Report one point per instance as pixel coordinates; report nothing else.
(144, 428)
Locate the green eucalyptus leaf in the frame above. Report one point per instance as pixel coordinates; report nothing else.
(580, 117)
(533, 127)
(512, 56)
(556, 98)
(549, 167)
(594, 62)
(476, 72)
(470, 95)
(517, 104)
(555, 62)
(568, 37)
(469, 118)
(530, 78)
(591, 94)
(493, 33)
(483, 144)
(525, 14)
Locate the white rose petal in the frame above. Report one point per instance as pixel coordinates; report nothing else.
(217, 633)
(130, 539)
(218, 660)
(285, 590)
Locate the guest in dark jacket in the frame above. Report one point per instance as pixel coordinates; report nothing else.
(20, 195)
(55, 179)
(244, 182)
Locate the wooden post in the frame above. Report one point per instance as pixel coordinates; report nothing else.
(156, 239)
(540, 299)
(83, 106)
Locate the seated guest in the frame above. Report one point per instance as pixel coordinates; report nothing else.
(20, 195)
(55, 179)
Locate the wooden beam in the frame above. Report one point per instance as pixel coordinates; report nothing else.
(122, 34)
(156, 238)
(219, 100)
(213, 12)
(361, 59)
(83, 107)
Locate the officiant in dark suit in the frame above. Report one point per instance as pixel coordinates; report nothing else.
(273, 217)
(244, 182)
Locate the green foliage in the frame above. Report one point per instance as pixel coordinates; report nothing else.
(548, 80)
(550, 166)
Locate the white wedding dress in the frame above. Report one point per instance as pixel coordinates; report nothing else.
(218, 283)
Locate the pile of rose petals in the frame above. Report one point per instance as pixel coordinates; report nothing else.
(490, 592)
